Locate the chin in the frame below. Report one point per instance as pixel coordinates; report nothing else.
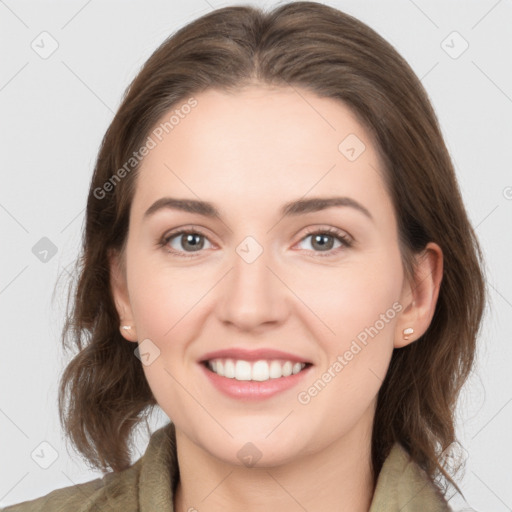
(254, 447)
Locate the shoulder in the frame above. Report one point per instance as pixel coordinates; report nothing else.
(146, 485)
(403, 485)
(88, 496)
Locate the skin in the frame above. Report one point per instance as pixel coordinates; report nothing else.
(249, 152)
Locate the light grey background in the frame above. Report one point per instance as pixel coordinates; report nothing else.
(54, 112)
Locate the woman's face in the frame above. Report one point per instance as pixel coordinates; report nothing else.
(280, 281)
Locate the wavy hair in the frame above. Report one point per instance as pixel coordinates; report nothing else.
(103, 393)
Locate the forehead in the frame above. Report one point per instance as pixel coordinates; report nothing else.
(259, 142)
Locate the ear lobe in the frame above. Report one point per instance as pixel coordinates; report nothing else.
(119, 290)
(420, 296)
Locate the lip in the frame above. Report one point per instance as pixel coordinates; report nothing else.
(252, 355)
(252, 390)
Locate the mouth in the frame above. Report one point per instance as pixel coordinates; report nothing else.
(260, 370)
(253, 374)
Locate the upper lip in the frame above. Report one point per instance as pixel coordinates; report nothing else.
(252, 355)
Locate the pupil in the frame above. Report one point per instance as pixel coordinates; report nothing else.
(190, 240)
(321, 238)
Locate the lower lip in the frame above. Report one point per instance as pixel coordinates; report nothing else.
(251, 389)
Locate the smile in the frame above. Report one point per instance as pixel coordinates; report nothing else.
(260, 371)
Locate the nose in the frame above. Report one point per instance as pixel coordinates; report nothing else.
(253, 295)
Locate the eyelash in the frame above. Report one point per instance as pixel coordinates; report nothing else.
(339, 235)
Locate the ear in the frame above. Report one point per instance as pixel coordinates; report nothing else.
(419, 297)
(120, 295)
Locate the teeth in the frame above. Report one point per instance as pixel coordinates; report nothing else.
(258, 370)
(242, 370)
(229, 369)
(287, 369)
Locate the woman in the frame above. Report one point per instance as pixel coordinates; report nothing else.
(276, 254)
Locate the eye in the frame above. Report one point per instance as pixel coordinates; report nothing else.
(323, 241)
(185, 241)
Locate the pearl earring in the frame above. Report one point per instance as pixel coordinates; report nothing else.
(127, 327)
(407, 331)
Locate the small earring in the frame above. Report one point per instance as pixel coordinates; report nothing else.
(407, 331)
(126, 327)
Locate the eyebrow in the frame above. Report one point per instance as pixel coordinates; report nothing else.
(293, 208)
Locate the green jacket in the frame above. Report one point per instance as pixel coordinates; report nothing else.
(147, 485)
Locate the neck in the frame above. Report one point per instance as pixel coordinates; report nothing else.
(338, 478)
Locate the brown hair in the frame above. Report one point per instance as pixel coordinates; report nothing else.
(316, 47)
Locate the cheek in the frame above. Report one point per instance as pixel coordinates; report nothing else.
(348, 300)
(167, 305)
(358, 309)
(162, 296)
